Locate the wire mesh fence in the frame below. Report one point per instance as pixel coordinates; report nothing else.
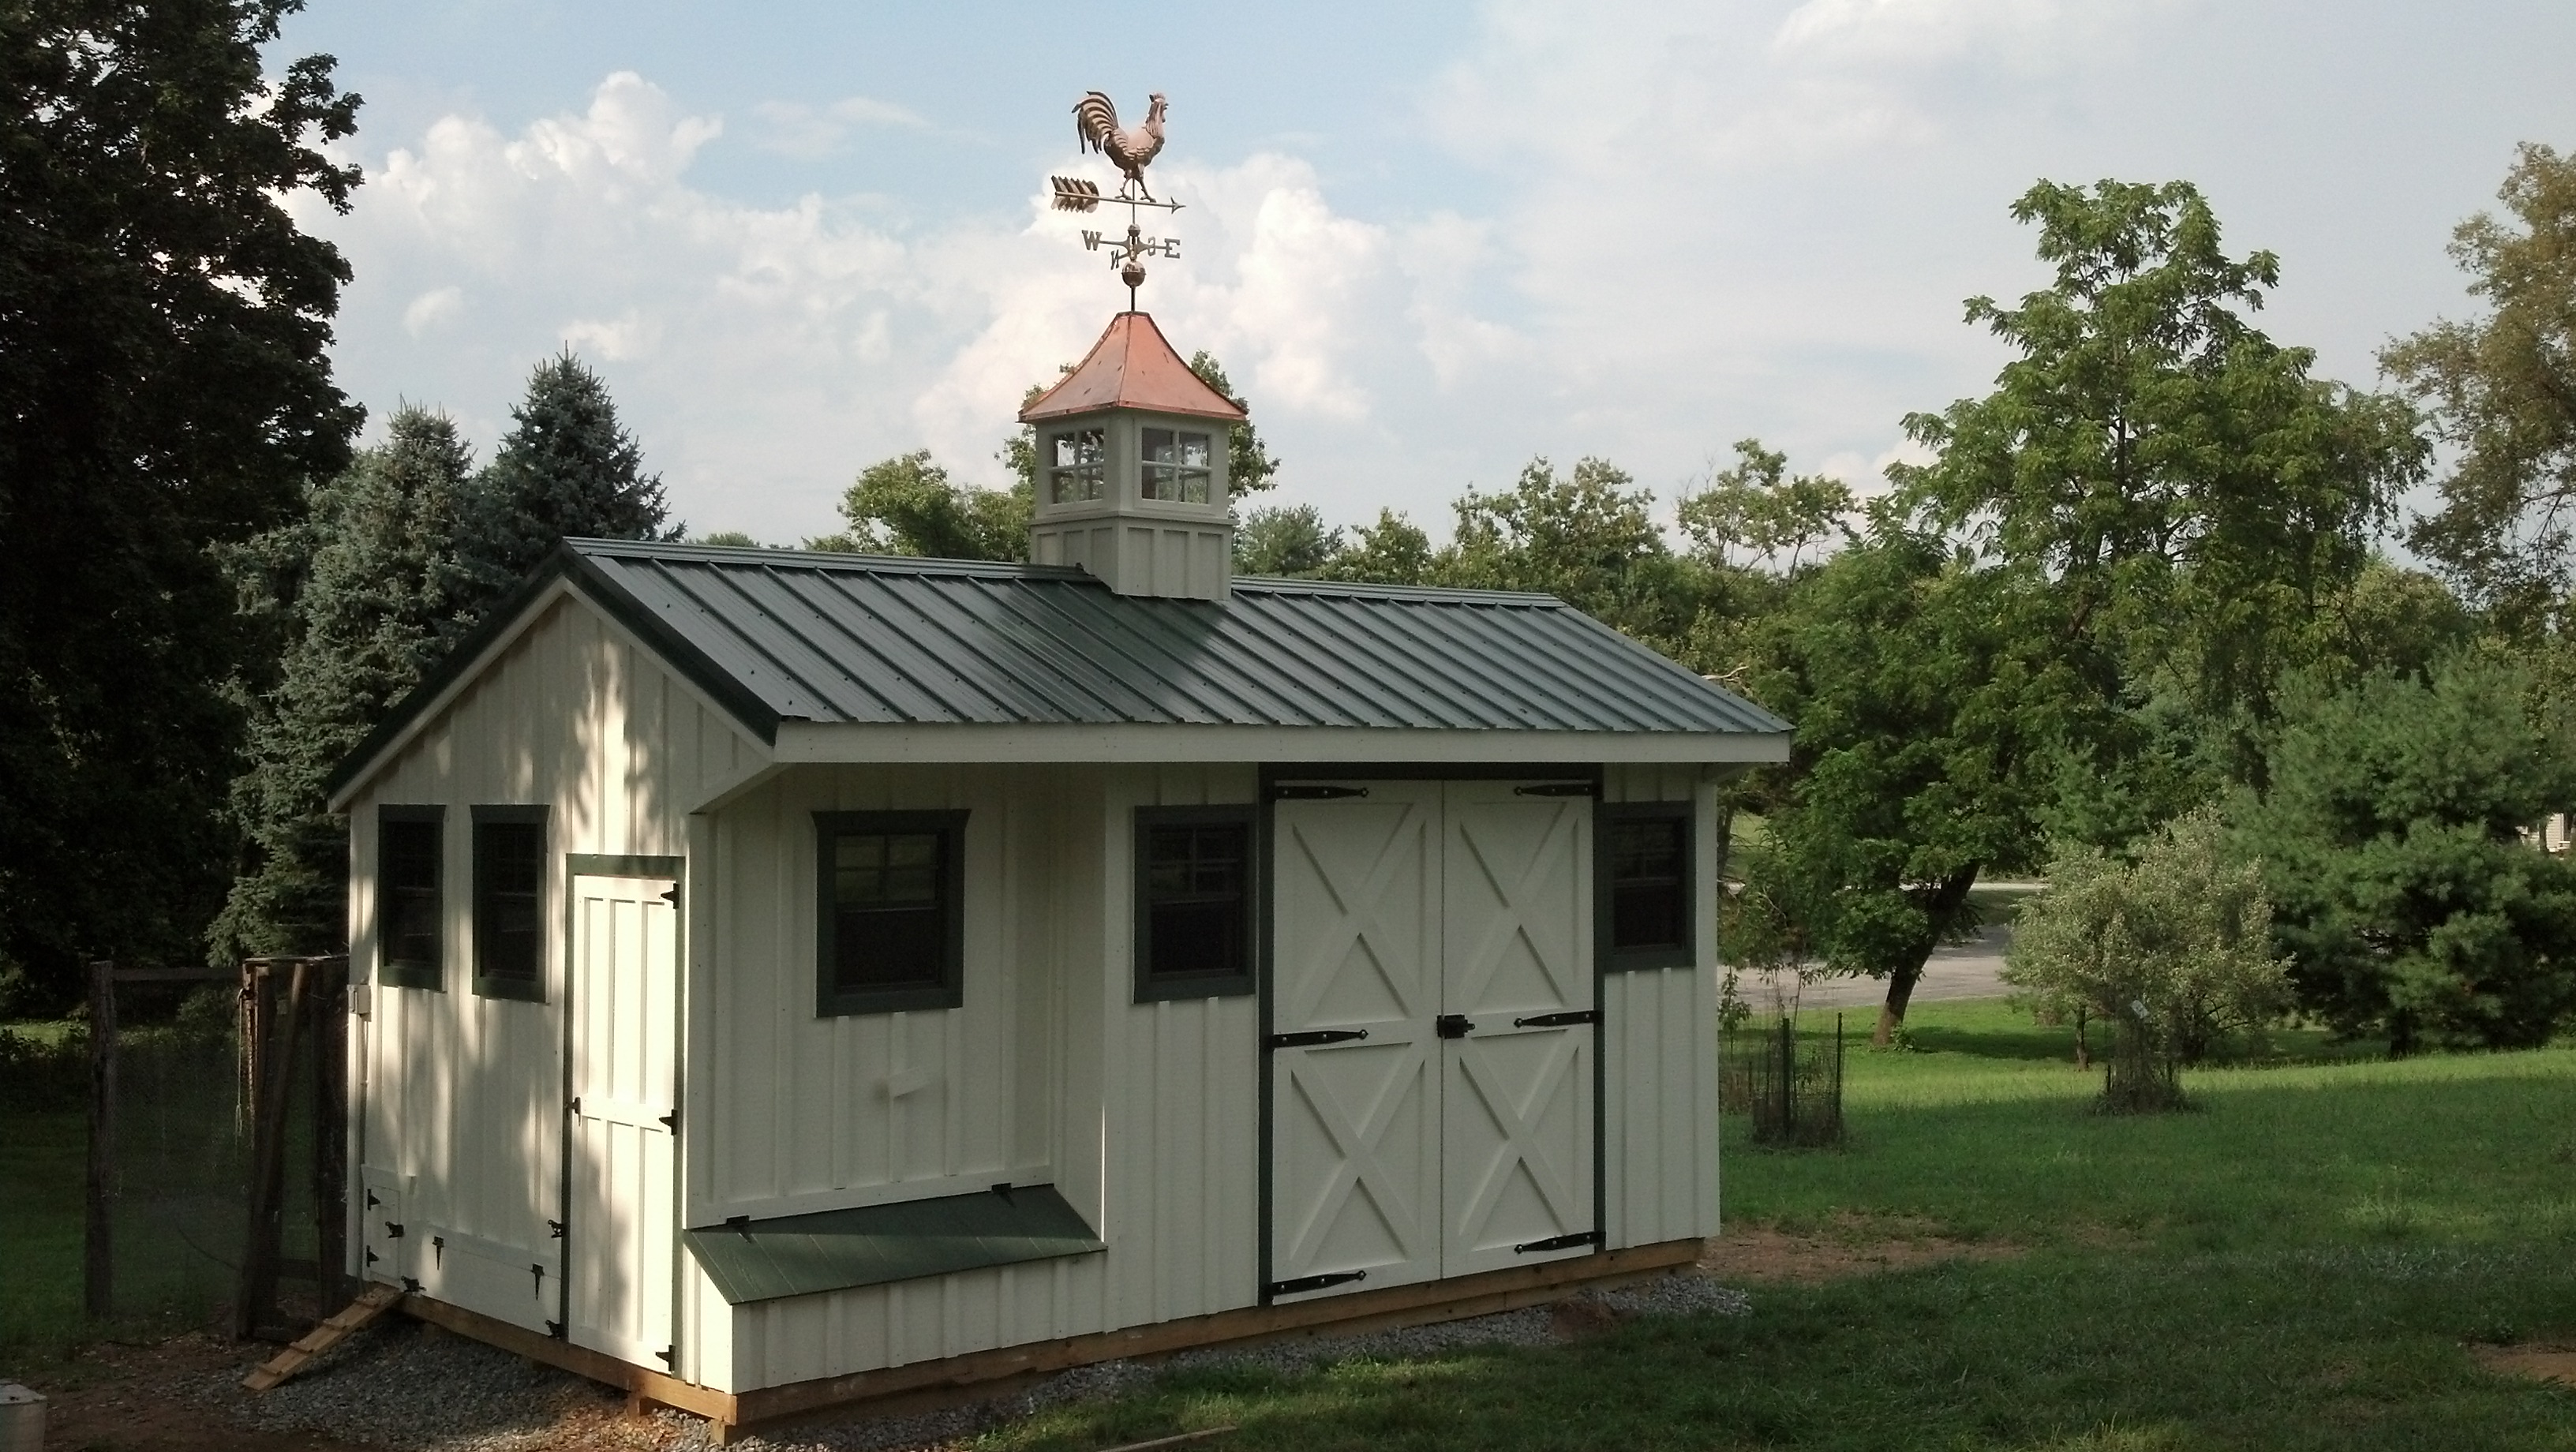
(214, 1147)
(1787, 1075)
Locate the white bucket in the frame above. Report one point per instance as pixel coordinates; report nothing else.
(22, 1418)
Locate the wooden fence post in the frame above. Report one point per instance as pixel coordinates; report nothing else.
(275, 1081)
(98, 1247)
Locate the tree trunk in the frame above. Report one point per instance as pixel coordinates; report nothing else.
(2083, 1047)
(1903, 976)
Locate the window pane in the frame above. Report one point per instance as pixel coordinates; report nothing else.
(1077, 465)
(1649, 900)
(409, 872)
(1176, 465)
(509, 867)
(889, 917)
(1196, 898)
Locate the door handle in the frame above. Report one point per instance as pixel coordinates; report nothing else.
(1453, 1026)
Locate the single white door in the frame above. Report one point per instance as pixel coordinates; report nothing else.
(1431, 1032)
(624, 1115)
(1517, 1055)
(1355, 1116)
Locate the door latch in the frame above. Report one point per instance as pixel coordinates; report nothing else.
(1453, 1026)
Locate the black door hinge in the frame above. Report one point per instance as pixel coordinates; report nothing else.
(393, 1230)
(673, 896)
(555, 1329)
(576, 1104)
(1557, 789)
(671, 1121)
(1316, 793)
(555, 1229)
(372, 1257)
(670, 1356)
(1308, 1038)
(1453, 1026)
(1558, 1242)
(438, 1250)
(1312, 1283)
(1565, 1019)
(372, 1201)
(741, 1223)
(411, 1285)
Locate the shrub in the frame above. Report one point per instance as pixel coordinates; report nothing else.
(2174, 950)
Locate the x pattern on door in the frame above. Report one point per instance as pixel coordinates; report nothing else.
(1404, 1155)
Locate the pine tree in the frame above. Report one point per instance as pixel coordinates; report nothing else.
(567, 469)
(369, 591)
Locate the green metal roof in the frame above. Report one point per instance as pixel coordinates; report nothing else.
(797, 1255)
(778, 635)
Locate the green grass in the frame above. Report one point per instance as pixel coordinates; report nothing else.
(2296, 1264)
(42, 1156)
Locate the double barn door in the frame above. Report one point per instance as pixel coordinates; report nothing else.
(1432, 1031)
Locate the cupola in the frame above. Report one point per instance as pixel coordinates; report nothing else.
(1132, 469)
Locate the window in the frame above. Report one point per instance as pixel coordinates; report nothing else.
(409, 845)
(1176, 466)
(1647, 871)
(510, 902)
(1077, 465)
(892, 923)
(1194, 887)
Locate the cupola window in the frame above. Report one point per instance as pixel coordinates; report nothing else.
(1176, 466)
(1079, 466)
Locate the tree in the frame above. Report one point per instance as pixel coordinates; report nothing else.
(1249, 465)
(2185, 488)
(1286, 540)
(2391, 836)
(907, 505)
(1755, 508)
(165, 387)
(1925, 708)
(372, 588)
(2174, 950)
(567, 469)
(1392, 551)
(2502, 391)
(1588, 537)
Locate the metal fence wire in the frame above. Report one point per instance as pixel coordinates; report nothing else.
(1787, 1077)
(179, 1121)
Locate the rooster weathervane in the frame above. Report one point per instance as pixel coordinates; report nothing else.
(1131, 149)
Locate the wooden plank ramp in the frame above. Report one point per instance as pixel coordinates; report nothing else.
(372, 1302)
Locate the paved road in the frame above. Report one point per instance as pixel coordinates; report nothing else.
(1961, 970)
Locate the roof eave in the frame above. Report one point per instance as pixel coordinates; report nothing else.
(1124, 742)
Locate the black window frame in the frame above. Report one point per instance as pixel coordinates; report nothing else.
(488, 983)
(950, 990)
(1153, 988)
(1615, 959)
(410, 973)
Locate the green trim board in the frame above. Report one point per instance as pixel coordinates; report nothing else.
(836, 1250)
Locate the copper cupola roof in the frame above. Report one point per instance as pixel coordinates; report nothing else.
(1132, 366)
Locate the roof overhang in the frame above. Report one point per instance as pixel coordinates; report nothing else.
(807, 741)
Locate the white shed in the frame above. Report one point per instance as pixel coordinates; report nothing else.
(790, 978)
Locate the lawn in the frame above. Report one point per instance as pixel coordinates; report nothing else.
(2297, 1264)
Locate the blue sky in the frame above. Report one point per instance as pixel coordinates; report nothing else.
(1428, 241)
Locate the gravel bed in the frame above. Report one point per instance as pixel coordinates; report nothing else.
(404, 1387)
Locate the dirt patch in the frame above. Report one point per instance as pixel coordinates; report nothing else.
(1758, 1253)
(117, 1398)
(2537, 1363)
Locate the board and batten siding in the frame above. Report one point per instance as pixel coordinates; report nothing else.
(1144, 1116)
(1659, 1050)
(461, 1096)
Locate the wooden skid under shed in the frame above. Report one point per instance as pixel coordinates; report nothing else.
(733, 1414)
(372, 1302)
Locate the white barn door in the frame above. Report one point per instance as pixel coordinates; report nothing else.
(1517, 1083)
(1431, 1032)
(1354, 1077)
(624, 1084)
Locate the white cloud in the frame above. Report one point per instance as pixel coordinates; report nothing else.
(794, 128)
(432, 308)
